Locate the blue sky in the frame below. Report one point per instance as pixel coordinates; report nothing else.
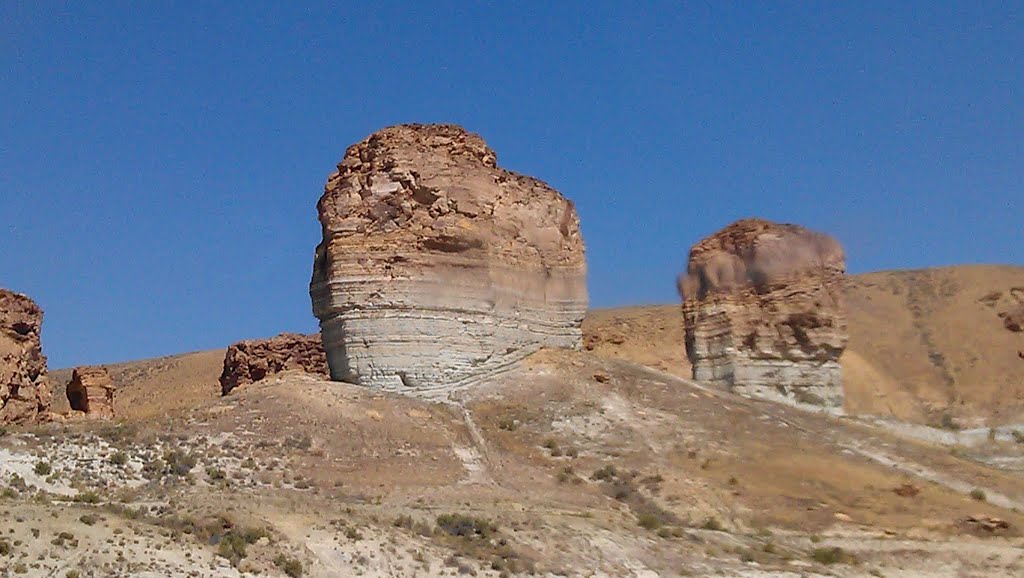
(160, 162)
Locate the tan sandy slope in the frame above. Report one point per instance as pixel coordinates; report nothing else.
(922, 343)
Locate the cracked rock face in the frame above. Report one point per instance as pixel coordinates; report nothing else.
(250, 361)
(763, 312)
(24, 396)
(437, 267)
(91, 392)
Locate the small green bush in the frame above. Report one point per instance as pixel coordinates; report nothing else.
(712, 524)
(978, 494)
(465, 526)
(648, 521)
(89, 497)
(232, 548)
(42, 469)
(829, 556)
(119, 458)
(290, 566)
(606, 473)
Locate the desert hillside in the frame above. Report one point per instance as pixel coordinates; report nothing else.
(923, 344)
(568, 461)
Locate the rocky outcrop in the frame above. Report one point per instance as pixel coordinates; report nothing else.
(763, 312)
(250, 361)
(1013, 320)
(438, 267)
(24, 396)
(91, 392)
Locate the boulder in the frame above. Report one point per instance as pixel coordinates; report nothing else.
(437, 267)
(250, 361)
(91, 392)
(24, 395)
(1013, 320)
(763, 312)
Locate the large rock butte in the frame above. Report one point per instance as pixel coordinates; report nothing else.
(437, 267)
(250, 361)
(763, 312)
(91, 392)
(24, 396)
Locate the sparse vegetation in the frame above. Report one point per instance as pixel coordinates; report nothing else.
(948, 422)
(290, 566)
(119, 458)
(465, 526)
(233, 545)
(178, 463)
(712, 524)
(605, 473)
(978, 494)
(649, 521)
(42, 469)
(829, 556)
(88, 497)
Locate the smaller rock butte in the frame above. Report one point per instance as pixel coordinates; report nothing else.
(250, 361)
(763, 311)
(24, 395)
(91, 392)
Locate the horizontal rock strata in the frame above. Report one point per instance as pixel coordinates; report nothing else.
(91, 392)
(763, 312)
(24, 396)
(250, 361)
(438, 267)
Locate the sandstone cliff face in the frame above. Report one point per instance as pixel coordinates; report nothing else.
(91, 392)
(437, 266)
(763, 311)
(24, 396)
(250, 361)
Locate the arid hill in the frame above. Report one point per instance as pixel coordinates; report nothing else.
(924, 344)
(569, 463)
(599, 460)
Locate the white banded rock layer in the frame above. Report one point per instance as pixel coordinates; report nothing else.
(763, 312)
(437, 267)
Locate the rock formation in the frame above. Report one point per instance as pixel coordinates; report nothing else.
(24, 396)
(250, 361)
(438, 267)
(1013, 320)
(763, 313)
(91, 392)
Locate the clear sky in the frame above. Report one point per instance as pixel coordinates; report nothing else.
(160, 162)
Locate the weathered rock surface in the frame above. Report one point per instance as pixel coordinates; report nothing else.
(250, 361)
(763, 311)
(1013, 320)
(91, 392)
(438, 267)
(24, 396)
